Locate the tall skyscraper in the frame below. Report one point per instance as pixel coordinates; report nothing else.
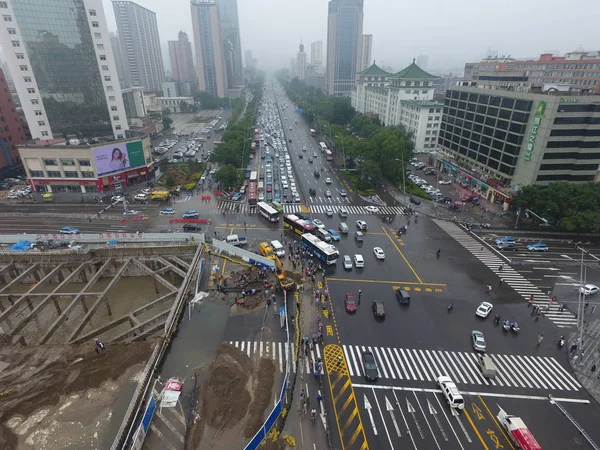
(301, 63)
(230, 34)
(366, 54)
(140, 45)
(182, 62)
(344, 38)
(63, 67)
(316, 53)
(248, 59)
(210, 59)
(116, 48)
(423, 61)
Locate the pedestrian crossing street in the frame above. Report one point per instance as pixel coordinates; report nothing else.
(519, 371)
(510, 276)
(514, 371)
(227, 207)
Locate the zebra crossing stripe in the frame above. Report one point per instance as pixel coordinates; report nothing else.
(509, 275)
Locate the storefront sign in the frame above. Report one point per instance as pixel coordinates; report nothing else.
(539, 113)
(568, 100)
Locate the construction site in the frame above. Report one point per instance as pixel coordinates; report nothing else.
(60, 388)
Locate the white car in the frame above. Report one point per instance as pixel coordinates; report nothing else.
(589, 289)
(117, 199)
(445, 182)
(484, 309)
(372, 209)
(361, 225)
(329, 211)
(141, 197)
(347, 262)
(131, 212)
(359, 261)
(327, 180)
(327, 193)
(379, 254)
(318, 223)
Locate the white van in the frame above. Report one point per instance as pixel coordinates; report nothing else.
(278, 248)
(451, 392)
(323, 234)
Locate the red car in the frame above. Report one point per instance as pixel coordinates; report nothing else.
(349, 303)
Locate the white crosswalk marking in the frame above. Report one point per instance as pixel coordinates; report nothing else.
(358, 210)
(187, 198)
(509, 275)
(515, 371)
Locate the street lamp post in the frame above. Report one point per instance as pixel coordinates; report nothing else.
(343, 151)
(403, 179)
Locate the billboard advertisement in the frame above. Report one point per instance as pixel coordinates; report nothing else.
(118, 156)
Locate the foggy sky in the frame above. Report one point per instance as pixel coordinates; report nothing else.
(450, 32)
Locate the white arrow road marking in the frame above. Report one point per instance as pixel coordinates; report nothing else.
(404, 419)
(368, 408)
(390, 408)
(434, 413)
(382, 420)
(427, 422)
(411, 411)
(437, 399)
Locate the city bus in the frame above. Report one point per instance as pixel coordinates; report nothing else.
(251, 193)
(253, 147)
(322, 146)
(268, 212)
(297, 225)
(253, 176)
(328, 155)
(322, 250)
(278, 206)
(312, 132)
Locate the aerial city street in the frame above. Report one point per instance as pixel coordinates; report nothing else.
(279, 231)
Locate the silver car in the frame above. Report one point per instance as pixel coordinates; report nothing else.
(478, 341)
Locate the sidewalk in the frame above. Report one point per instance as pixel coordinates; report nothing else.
(586, 356)
(308, 435)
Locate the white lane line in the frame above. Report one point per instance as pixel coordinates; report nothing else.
(350, 368)
(381, 362)
(400, 358)
(414, 364)
(389, 350)
(469, 371)
(561, 369)
(451, 359)
(426, 362)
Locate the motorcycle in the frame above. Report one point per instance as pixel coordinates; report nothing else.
(506, 325)
(561, 342)
(515, 327)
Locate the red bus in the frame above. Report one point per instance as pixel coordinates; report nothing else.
(312, 132)
(297, 225)
(253, 147)
(256, 137)
(251, 193)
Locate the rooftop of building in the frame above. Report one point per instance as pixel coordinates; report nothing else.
(551, 90)
(76, 143)
(374, 71)
(413, 72)
(424, 103)
(577, 55)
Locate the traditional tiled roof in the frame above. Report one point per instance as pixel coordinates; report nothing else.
(374, 71)
(413, 72)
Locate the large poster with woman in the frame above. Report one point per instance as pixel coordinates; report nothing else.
(118, 156)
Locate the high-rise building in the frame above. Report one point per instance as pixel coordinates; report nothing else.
(182, 62)
(12, 132)
(140, 45)
(316, 53)
(64, 68)
(423, 61)
(344, 38)
(301, 63)
(366, 51)
(210, 60)
(230, 34)
(248, 58)
(116, 48)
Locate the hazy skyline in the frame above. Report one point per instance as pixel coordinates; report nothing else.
(450, 33)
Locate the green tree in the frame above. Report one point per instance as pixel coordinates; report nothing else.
(369, 174)
(184, 106)
(166, 121)
(228, 175)
(169, 180)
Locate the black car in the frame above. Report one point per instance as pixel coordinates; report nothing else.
(403, 296)
(370, 366)
(300, 155)
(415, 201)
(312, 191)
(378, 309)
(317, 174)
(191, 227)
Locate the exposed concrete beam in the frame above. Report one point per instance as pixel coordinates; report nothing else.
(48, 296)
(6, 267)
(144, 329)
(83, 322)
(173, 267)
(158, 278)
(21, 276)
(75, 301)
(179, 261)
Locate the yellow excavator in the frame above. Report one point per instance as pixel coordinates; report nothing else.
(286, 283)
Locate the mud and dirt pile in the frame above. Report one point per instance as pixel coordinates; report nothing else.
(39, 377)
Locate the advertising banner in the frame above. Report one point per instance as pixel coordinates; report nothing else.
(118, 156)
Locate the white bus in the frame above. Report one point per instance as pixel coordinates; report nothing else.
(253, 175)
(268, 212)
(322, 250)
(322, 146)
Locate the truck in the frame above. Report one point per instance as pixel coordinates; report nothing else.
(160, 195)
(518, 431)
(236, 240)
(285, 283)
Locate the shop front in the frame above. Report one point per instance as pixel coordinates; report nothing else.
(123, 179)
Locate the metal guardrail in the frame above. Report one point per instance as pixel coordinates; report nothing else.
(102, 238)
(60, 215)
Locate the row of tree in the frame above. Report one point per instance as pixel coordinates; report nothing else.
(368, 148)
(234, 151)
(570, 206)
